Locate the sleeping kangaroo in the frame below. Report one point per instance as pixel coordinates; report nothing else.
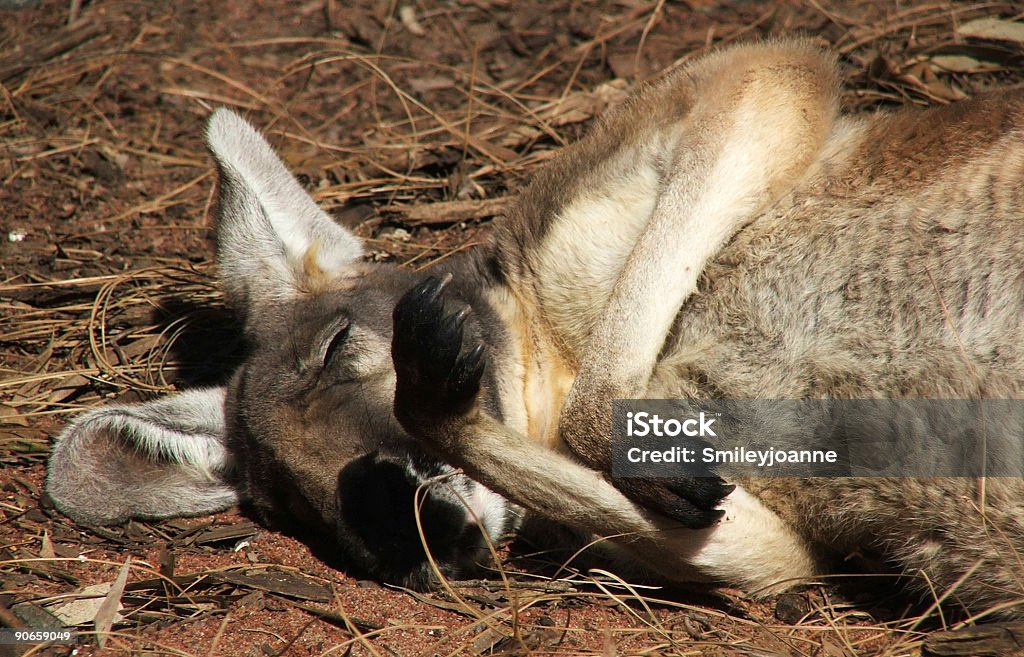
(725, 234)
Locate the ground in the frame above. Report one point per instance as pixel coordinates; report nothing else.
(413, 123)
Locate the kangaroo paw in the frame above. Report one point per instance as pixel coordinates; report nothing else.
(437, 378)
(689, 500)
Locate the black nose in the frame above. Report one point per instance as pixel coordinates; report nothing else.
(376, 497)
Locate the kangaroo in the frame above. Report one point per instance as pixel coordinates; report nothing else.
(725, 233)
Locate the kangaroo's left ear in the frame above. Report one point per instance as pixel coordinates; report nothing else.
(273, 241)
(158, 459)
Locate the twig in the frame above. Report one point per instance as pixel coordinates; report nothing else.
(986, 640)
(332, 617)
(451, 212)
(46, 48)
(9, 619)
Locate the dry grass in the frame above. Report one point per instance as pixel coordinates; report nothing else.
(107, 289)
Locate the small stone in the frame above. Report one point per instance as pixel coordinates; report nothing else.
(791, 608)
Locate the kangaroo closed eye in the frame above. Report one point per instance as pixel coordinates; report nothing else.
(337, 336)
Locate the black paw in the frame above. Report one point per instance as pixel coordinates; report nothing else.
(436, 377)
(688, 500)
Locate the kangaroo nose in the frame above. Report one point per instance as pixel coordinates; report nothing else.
(377, 504)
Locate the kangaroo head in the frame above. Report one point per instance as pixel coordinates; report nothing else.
(305, 431)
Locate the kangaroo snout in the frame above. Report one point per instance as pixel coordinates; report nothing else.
(401, 516)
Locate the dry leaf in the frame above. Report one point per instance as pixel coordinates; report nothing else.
(288, 583)
(68, 386)
(407, 14)
(957, 63)
(11, 415)
(46, 550)
(84, 609)
(107, 613)
(431, 83)
(920, 75)
(996, 29)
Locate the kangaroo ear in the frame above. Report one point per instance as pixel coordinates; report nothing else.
(152, 460)
(273, 240)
